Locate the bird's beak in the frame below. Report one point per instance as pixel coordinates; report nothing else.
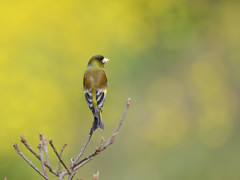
(105, 60)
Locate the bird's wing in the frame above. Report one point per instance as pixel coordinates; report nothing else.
(88, 96)
(100, 98)
(95, 102)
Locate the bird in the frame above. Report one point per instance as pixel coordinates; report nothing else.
(95, 84)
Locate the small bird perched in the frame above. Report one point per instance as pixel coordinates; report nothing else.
(95, 88)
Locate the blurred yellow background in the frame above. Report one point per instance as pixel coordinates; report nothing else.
(178, 60)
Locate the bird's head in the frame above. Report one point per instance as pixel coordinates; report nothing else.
(98, 60)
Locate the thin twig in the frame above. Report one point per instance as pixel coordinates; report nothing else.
(24, 141)
(70, 177)
(29, 162)
(60, 159)
(103, 147)
(59, 164)
(63, 174)
(40, 147)
(73, 163)
(44, 145)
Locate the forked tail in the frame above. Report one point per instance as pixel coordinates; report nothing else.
(97, 122)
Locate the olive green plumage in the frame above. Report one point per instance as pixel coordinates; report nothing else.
(95, 88)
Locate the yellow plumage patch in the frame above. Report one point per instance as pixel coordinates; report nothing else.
(94, 98)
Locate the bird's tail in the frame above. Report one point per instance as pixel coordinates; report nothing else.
(97, 122)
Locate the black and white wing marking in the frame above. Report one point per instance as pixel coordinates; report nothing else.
(88, 96)
(100, 97)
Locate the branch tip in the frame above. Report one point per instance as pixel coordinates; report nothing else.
(128, 101)
(102, 140)
(59, 157)
(41, 136)
(15, 145)
(44, 140)
(97, 149)
(95, 176)
(23, 139)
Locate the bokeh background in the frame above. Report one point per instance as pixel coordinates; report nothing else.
(178, 60)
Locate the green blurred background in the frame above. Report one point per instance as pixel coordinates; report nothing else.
(178, 60)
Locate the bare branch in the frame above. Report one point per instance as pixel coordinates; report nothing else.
(24, 141)
(29, 162)
(59, 157)
(59, 165)
(63, 174)
(45, 148)
(123, 116)
(71, 175)
(103, 147)
(42, 160)
(73, 163)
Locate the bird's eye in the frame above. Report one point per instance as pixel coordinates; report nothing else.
(100, 58)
